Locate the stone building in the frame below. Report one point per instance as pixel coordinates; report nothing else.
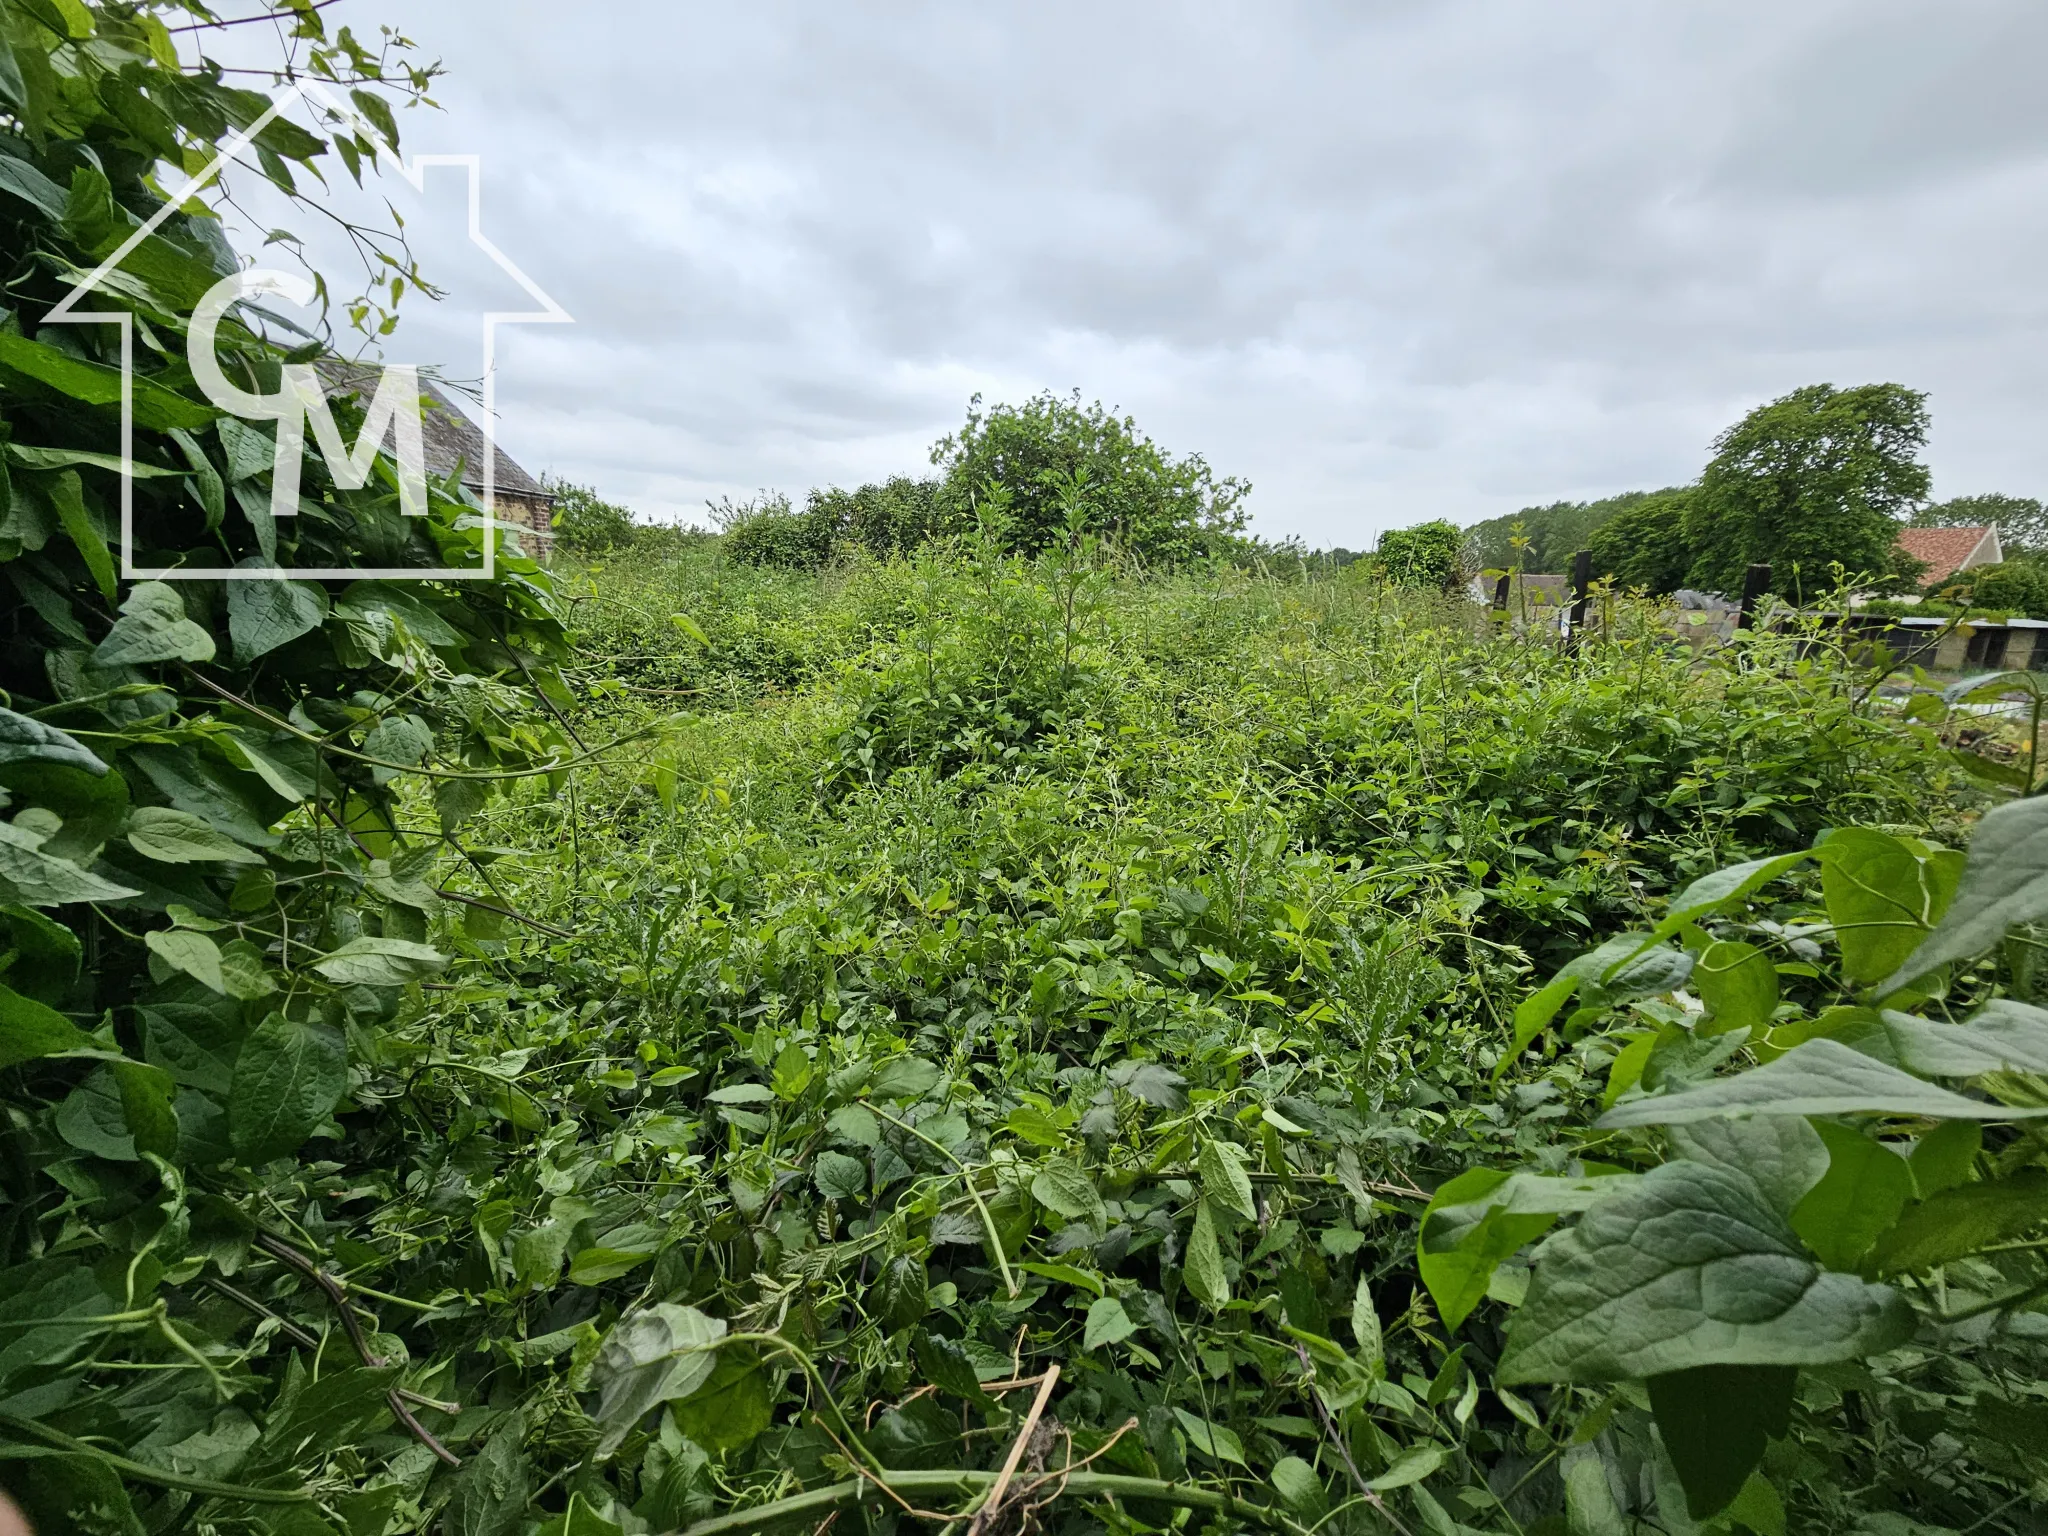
(450, 438)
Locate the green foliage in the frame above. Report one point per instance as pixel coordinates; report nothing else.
(585, 523)
(1425, 556)
(2022, 522)
(1764, 1233)
(1554, 533)
(1165, 510)
(1645, 545)
(2012, 586)
(1816, 479)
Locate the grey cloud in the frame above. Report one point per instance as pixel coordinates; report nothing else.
(1387, 261)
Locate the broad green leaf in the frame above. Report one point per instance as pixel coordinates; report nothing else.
(1299, 1487)
(147, 1103)
(1212, 1440)
(1821, 1077)
(1957, 1222)
(1065, 1188)
(2005, 882)
(1866, 1186)
(1714, 1420)
(1689, 1266)
(649, 1358)
(1410, 1467)
(855, 1126)
(1783, 1154)
(377, 962)
(732, 1408)
(1202, 1268)
(1875, 900)
(153, 627)
(1365, 1327)
(1151, 1082)
(194, 954)
(1591, 1508)
(34, 878)
(595, 1266)
(1945, 1156)
(1738, 984)
(265, 614)
(1224, 1180)
(288, 1078)
(905, 1077)
(947, 1365)
(1711, 892)
(1066, 1274)
(23, 740)
(1108, 1323)
(742, 1093)
(840, 1177)
(918, 1435)
(80, 524)
(93, 1120)
(2002, 1036)
(792, 1071)
(155, 407)
(1483, 1217)
(179, 837)
(29, 1031)
(902, 1293)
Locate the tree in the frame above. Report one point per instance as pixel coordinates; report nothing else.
(1818, 478)
(1555, 532)
(2021, 521)
(2015, 586)
(1646, 545)
(1425, 556)
(585, 523)
(1163, 508)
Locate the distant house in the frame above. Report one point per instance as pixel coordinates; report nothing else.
(1947, 551)
(450, 438)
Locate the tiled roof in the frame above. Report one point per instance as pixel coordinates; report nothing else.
(1944, 549)
(447, 433)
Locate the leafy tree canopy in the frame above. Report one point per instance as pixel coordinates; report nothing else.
(1165, 509)
(1554, 533)
(1645, 544)
(1818, 478)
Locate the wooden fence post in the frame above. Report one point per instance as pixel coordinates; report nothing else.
(1756, 581)
(1582, 590)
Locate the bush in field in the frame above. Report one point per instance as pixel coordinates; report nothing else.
(1425, 556)
(1163, 509)
(585, 523)
(769, 532)
(2013, 586)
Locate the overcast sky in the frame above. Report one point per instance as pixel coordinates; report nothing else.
(1387, 261)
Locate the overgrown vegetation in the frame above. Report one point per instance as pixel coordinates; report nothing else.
(1007, 1037)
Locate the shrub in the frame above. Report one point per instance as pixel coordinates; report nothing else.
(1425, 556)
(2017, 586)
(585, 523)
(1164, 509)
(769, 532)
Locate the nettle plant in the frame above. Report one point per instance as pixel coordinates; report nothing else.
(218, 872)
(1835, 1236)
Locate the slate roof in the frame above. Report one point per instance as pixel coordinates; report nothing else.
(447, 434)
(1948, 550)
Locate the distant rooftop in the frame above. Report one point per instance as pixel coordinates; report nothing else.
(1949, 550)
(448, 436)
